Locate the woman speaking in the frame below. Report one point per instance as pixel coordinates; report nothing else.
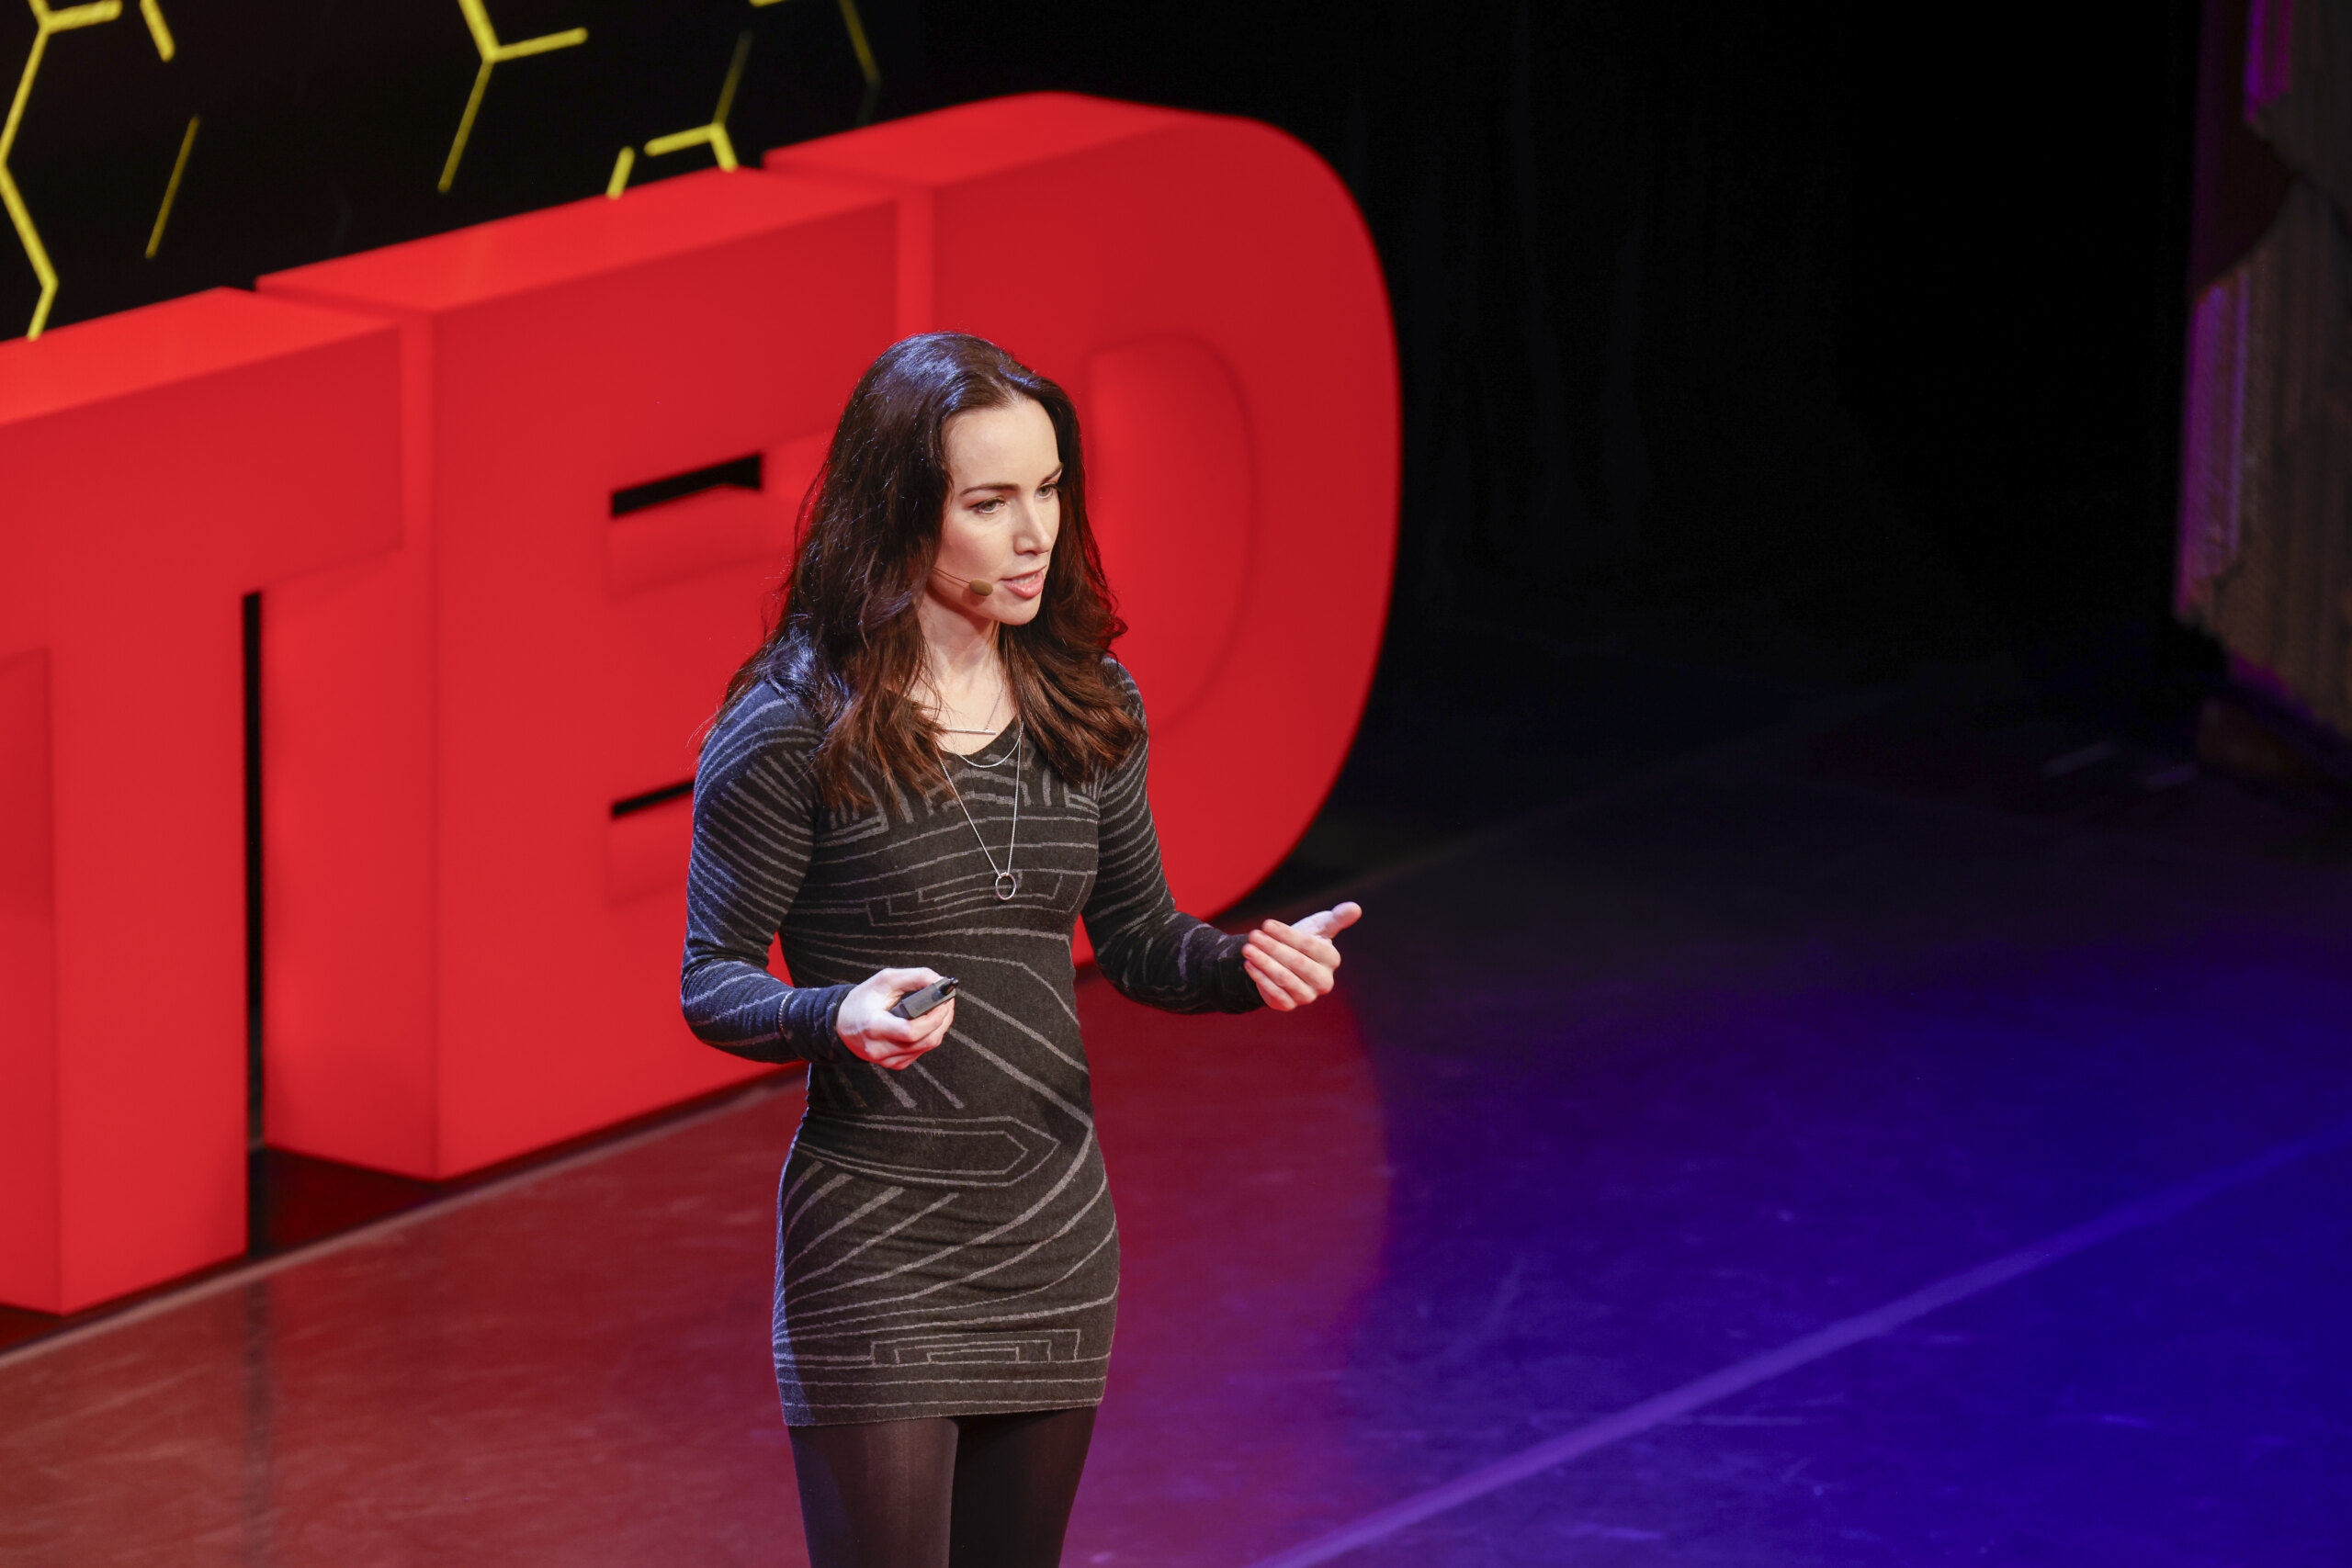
(929, 770)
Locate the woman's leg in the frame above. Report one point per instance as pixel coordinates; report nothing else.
(1016, 1477)
(877, 1494)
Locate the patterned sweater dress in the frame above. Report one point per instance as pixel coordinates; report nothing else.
(944, 1239)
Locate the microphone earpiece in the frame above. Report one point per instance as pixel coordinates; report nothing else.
(980, 587)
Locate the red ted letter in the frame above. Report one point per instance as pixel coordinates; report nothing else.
(159, 464)
(476, 879)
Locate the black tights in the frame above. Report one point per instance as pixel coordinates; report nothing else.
(966, 1492)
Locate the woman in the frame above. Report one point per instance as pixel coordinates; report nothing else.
(930, 768)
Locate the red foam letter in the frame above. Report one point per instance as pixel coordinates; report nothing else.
(471, 955)
(159, 464)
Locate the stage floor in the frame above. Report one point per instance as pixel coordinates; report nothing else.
(1626, 1099)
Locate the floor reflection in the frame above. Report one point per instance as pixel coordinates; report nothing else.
(1641, 1090)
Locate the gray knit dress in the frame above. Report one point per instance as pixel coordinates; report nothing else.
(945, 1240)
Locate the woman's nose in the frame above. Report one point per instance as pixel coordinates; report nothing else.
(1031, 531)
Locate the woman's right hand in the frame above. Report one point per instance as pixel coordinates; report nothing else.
(875, 1034)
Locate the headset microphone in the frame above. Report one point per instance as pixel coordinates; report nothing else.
(980, 587)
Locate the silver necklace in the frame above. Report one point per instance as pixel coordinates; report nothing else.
(1008, 881)
(956, 730)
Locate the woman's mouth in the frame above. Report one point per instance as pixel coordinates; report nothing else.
(1028, 585)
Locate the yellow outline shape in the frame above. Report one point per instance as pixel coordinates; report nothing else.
(866, 67)
(714, 135)
(45, 22)
(158, 29)
(172, 187)
(494, 52)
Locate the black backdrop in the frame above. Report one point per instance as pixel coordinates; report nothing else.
(1821, 338)
(1817, 339)
(326, 124)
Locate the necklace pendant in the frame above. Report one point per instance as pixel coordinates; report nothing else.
(1008, 883)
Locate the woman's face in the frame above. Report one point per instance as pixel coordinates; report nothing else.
(1003, 510)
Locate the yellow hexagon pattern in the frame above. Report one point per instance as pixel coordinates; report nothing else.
(48, 23)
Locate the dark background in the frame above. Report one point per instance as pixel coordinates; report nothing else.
(1820, 341)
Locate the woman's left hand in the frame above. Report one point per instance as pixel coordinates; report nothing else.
(1294, 964)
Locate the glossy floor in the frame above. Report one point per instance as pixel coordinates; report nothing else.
(1612, 1100)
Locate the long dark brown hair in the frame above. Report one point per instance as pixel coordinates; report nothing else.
(845, 637)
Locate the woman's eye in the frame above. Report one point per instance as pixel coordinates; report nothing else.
(1046, 493)
(988, 508)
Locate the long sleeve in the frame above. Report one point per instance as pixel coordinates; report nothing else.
(754, 805)
(1146, 948)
